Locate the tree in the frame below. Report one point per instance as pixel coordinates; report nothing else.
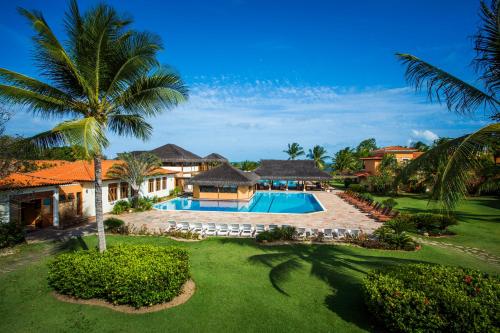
(318, 154)
(386, 178)
(247, 165)
(420, 146)
(365, 147)
(105, 77)
(294, 150)
(345, 160)
(134, 169)
(462, 155)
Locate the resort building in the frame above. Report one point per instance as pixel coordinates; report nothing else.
(65, 194)
(224, 182)
(371, 163)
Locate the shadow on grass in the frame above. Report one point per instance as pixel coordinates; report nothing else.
(341, 267)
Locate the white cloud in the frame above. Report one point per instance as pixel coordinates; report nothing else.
(425, 135)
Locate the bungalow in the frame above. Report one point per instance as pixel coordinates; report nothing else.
(371, 163)
(224, 182)
(65, 194)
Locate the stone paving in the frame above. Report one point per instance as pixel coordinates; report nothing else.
(338, 214)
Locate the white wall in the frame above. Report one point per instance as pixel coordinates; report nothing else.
(187, 169)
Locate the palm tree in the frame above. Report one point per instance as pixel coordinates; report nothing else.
(318, 154)
(105, 78)
(460, 156)
(248, 165)
(294, 150)
(134, 169)
(420, 146)
(365, 147)
(345, 160)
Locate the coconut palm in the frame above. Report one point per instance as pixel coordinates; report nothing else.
(133, 169)
(104, 78)
(365, 147)
(294, 150)
(462, 155)
(420, 146)
(345, 160)
(318, 154)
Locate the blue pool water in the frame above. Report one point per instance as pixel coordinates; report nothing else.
(261, 202)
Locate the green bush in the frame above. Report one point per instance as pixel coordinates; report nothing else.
(176, 191)
(113, 224)
(400, 224)
(11, 234)
(357, 188)
(434, 298)
(137, 275)
(432, 223)
(120, 207)
(144, 204)
(390, 203)
(395, 239)
(285, 233)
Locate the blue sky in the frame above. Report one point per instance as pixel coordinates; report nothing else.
(266, 73)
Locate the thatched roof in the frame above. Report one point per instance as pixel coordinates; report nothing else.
(174, 153)
(224, 175)
(214, 157)
(290, 170)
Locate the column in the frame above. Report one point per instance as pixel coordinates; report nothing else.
(55, 208)
(304, 186)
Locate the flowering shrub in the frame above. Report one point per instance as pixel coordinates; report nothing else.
(137, 275)
(434, 298)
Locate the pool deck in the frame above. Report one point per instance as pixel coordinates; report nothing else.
(338, 214)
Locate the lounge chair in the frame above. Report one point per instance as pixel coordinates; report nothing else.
(184, 227)
(301, 233)
(235, 230)
(285, 226)
(272, 227)
(340, 233)
(354, 233)
(246, 230)
(328, 233)
(172, 225)
(259, 228)
(223, 230)
(210, 229)
(197, 228)
(315, 232)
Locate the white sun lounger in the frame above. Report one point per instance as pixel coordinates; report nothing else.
(328, 233)
(301, 232)
(235, 229)
(172, 225)
(197, 228)
(272, 227)
(246, 230)
(285, 226)
(210, 229)
(314, 232)
(259, 228)
(340, 233)
(184, 226)
(223, 230)
(354, 233)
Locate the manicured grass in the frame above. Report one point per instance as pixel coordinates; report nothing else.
(478, 217)
(240, 287)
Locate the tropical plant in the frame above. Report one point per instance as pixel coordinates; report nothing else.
(133, 169)
(461, 155)
(247, 165)
(365, 147)
(105, 77)
(345, 160)
(294, 150)
(318, 154)
(420, 146)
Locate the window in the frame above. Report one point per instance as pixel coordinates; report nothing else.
(158, 184)
(228, 189)
(123, 190)
(164, 183)
(208, 189)
(151, 185)
(112, 192)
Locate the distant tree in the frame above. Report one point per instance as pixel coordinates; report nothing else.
(420, 146)
(134, 169)
(294, 150)
(345, 160)
(386, 178)
(68, 153)
(318, 154)
(440, 141)
(461, 156)
(365, 147)
(247, 165)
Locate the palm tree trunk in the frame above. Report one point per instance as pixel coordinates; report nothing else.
(98, 203)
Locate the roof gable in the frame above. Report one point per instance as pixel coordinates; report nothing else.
(290, 170)
(174, 153)
(224, 174)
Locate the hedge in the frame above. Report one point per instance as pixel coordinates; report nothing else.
(136, 275)
(11, 234)
(434, 298)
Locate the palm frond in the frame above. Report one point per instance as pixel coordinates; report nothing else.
(487, 47)
(441, 86)
(130, 125)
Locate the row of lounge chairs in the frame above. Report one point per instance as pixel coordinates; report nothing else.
(249, 230)
(367, 205)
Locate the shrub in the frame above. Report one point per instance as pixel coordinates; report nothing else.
(394, 239)
(433, 298)
(120, 207)
(400, 224)
(285, 233)
(144, 204)
(357, 188)
(432, 223)
(176, 191)
(183, 235)
(11, 234)
(137, 275)
(390, 203)
(113, 224)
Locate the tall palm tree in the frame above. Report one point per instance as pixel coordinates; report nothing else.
(420, 146)
(462, 155)
(294, 150)
(345, 160)
(104, 78)
(133, 170)
(318, 154)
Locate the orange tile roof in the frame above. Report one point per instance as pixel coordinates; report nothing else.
(65, 173)
(392, 149)
(417, 154)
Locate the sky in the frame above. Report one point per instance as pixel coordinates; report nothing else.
(263, 74)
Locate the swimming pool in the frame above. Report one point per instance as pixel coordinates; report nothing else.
(261, 202)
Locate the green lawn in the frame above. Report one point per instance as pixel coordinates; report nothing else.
(479, 220)
(240, 287)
